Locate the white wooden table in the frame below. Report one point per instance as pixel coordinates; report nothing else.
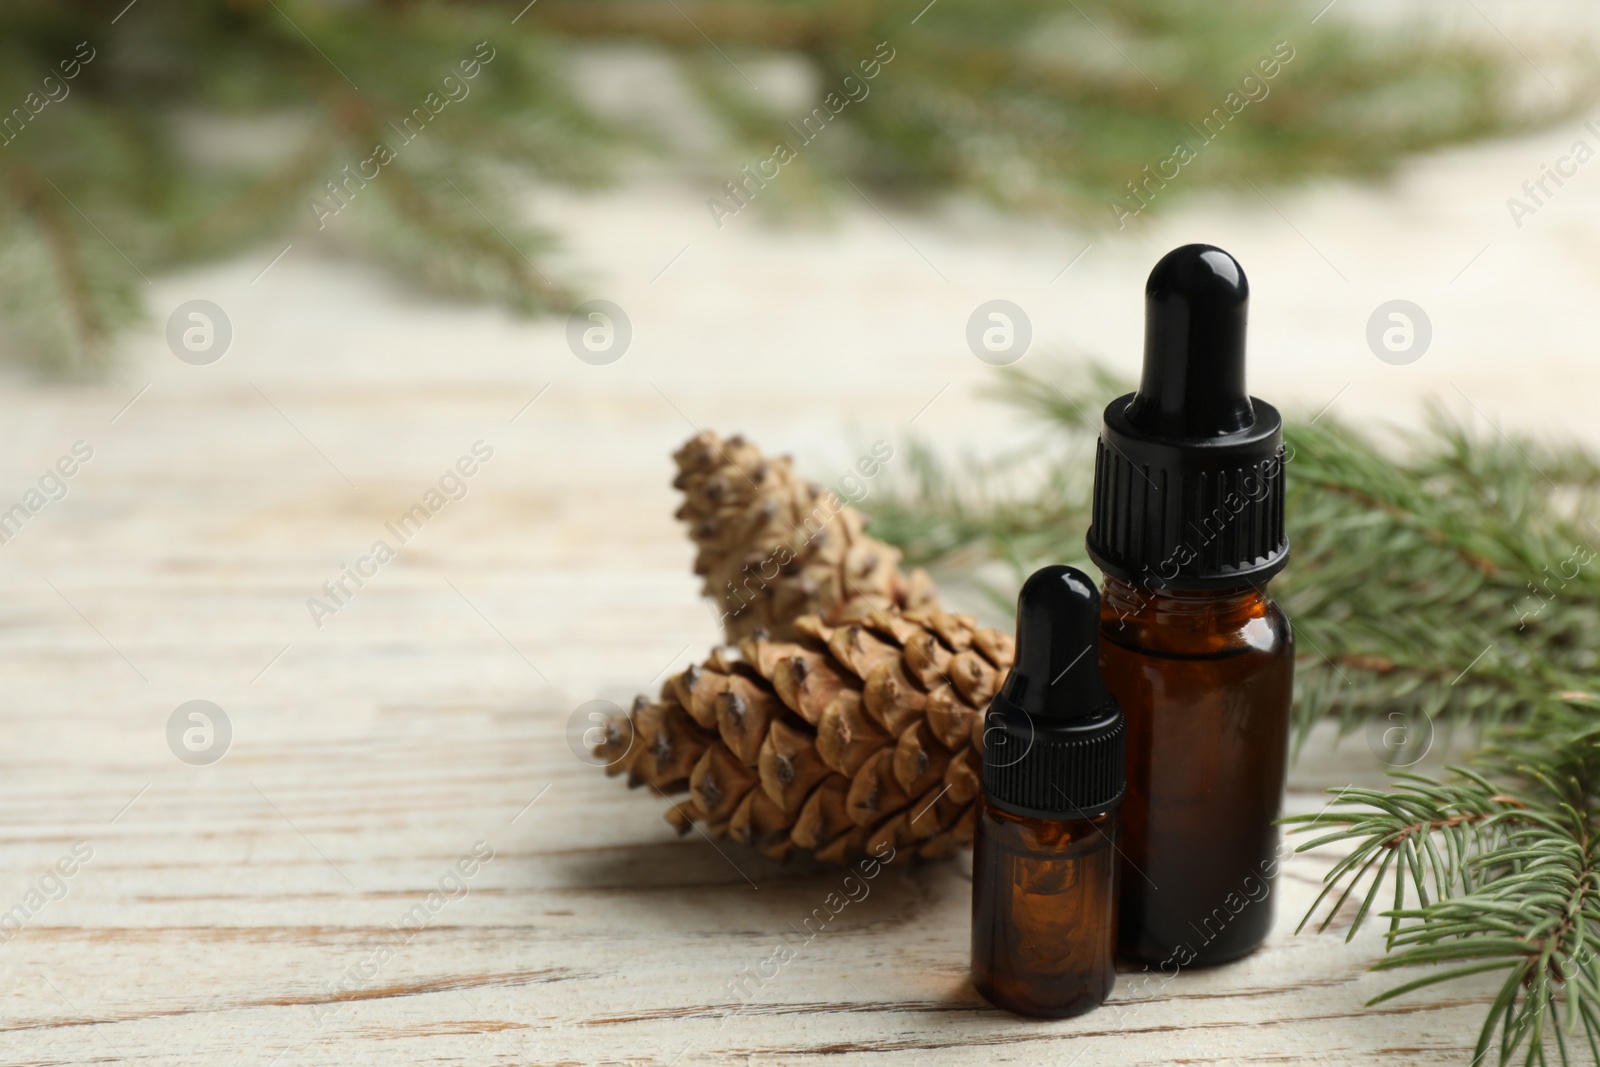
(245, 912)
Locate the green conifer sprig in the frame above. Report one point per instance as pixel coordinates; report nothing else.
(1452, 574)
(1046, 107)
(1503, 861)
(107, 183)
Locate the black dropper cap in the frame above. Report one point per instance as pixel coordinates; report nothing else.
(1053, 736)
(1189, 479)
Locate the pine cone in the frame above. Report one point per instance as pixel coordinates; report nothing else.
(774, 547)
(839, 741)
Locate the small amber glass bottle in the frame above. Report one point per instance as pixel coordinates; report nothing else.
(1044, 870)
(1188, 528)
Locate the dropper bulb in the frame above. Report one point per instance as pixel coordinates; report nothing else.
(1196, 302)
(1056, 673)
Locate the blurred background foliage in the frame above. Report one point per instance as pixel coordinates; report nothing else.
(198, 128)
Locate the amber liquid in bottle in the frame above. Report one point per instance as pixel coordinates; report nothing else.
(1044, 898)
(1205, 680)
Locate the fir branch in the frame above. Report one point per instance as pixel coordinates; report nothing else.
(1505, 865)
(65, 299)
(1439, 576)
(89, 328)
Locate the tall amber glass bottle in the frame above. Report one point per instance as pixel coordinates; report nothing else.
(1044, 868)
(1188, 528)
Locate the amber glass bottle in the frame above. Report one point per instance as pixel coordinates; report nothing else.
(1188, 528)
(1204, 679)
(1043, 929)
(1044, 868)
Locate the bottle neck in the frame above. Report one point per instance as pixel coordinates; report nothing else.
(1027, 833)
(1178, 618)
(1130, 598)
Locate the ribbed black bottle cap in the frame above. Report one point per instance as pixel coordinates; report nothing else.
(1189, 472)
(1053, 736)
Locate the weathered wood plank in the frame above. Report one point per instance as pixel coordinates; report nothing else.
(224, 905)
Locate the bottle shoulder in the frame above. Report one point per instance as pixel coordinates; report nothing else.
(1271, 632)
(1189, 625)
(1043, 837)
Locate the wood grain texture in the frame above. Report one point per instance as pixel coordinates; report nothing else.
(246, 912)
